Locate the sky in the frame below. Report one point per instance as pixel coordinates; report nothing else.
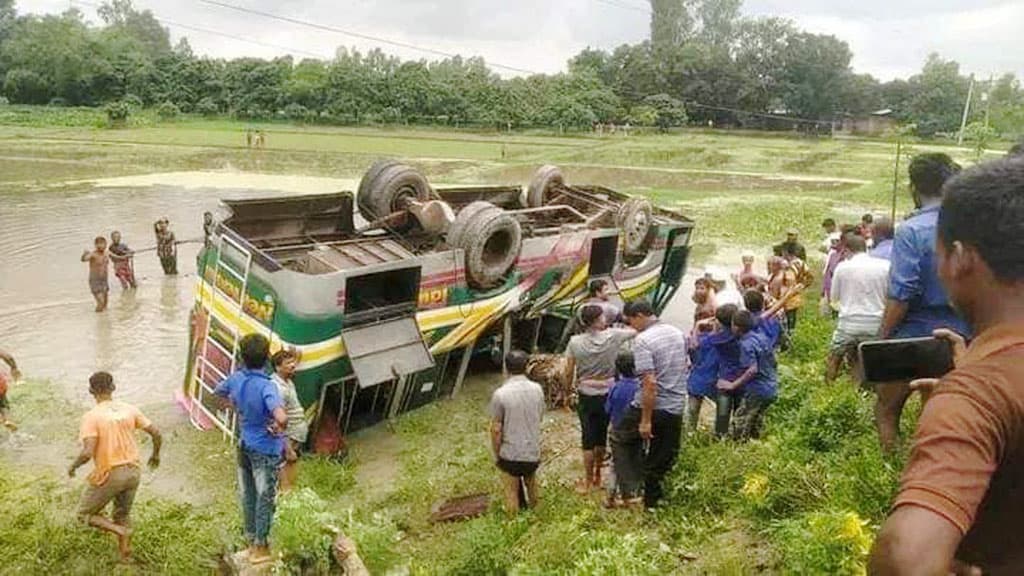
(889, 38)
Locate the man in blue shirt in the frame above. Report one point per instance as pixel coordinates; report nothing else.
(255, 398)
(917, 303)
(882, 233)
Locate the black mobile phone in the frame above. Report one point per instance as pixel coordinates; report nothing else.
(905, 359)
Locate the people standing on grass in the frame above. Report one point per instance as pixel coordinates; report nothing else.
(256, 400)
(107, 434)
(99, 266)
(784, 287)
(166, 246)
(285, 362)
(655, 417)
(828, 226)
(917, 303)
(590, 361)
(757, 385)
(123, 258)
(624, 483)
(700, 383)
(9, 374)
(517, 410)
(959, 508)
(858, 290)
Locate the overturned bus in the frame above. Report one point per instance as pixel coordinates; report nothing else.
(388, 293)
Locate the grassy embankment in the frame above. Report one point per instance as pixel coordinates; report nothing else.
(805, 499)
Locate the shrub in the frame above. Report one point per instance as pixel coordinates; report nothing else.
(207, 107)
(296, 112)
(830, 416)
(117, 113)
(301, 530)
(824, 542)
(58, 102)
(133, 101)
(167, 111)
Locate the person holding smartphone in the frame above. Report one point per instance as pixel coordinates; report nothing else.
(917, 303)
(959, 509)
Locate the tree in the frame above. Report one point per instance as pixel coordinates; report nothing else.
(671, 24)
(816, 71)
(23, 86)
(937, 96)
(670, 112)
(122, 17)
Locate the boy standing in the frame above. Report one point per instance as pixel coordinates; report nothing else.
(99, 262)
(624, 482)
(166, 247)
(285, 362)
(758, 382)
(122, 257)
(107, 435)
(517, 408)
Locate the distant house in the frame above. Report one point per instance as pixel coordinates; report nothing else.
(875, 124)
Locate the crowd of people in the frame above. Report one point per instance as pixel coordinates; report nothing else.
(953, 269)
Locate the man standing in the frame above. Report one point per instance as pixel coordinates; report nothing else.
(656, 415)
(7, 377)
(959, 508)
(917, 303)
(517, 408)
(122, 257)
(107, 435)
(99, 266)
(166, 247)
(882, 233)
(597, 295)
(828, 226)
(590, 361)
(784, 287)
(747, 279)
(791, 248)
(285, 362)
(858, 289)
(255, 398)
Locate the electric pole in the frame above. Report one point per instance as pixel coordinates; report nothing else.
(967, 110)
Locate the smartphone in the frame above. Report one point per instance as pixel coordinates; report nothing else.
(905, 359)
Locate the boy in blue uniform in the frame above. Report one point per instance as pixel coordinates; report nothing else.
(727, 351)
(766, 322)
(624, 483)
(703, 369)
(758, 382)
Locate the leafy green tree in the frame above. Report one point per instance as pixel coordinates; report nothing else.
(937, 96)
(167, 111)
(816, 74)
(23, 86)
(670, 111)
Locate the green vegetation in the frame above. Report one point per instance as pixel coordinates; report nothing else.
(704, 63)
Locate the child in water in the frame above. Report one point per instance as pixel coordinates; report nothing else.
(99, 262)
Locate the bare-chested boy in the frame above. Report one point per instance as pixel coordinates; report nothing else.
(99, 263)
(7, 377)
(121, 255)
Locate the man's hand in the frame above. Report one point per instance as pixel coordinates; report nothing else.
(726, 385)
(956, 341)
(71, 471)
(154, 462)
(645, 430)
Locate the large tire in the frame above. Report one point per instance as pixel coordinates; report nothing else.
(636, 220)
(369, 176)
(491, 242)
(545, 180)
(383, 194)
(463, 219)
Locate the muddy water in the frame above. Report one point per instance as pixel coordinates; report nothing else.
(46, 310)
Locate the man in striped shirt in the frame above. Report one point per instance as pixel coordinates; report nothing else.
(656, 414)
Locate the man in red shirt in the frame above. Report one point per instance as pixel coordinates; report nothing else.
(960, 508)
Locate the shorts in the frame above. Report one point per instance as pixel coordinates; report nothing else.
(517, 468)
(593, 421)
(98, 285)
(120, 487)
(845, 340)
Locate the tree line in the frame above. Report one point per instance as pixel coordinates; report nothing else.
(704, 63)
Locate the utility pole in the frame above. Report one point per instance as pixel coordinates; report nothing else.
(967, 110)
(987, 99)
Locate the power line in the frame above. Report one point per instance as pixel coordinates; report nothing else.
(217, 33)
(355, 34)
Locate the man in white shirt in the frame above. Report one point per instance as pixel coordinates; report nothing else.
(858, 290)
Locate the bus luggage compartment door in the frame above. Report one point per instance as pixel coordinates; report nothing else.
(381, 337)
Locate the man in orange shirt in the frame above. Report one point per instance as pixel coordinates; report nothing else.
(107, 435)
(960, 508)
